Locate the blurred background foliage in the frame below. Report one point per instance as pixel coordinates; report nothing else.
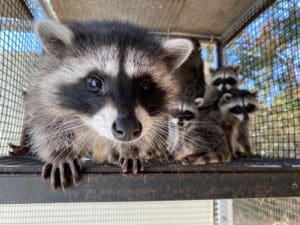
(269, 52)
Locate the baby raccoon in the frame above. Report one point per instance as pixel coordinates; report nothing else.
(100, 84)
(191, 76)
(195, 138)
(237, 106)
(222, 79)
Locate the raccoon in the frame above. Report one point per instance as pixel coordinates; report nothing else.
(222, 79)
(237, 107)
(195, 138)
(191, 77)
(24, 148)
(100, 84)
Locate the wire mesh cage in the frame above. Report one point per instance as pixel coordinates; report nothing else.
(273, 211)
(139, 213)
(269, 51)
(18, 50)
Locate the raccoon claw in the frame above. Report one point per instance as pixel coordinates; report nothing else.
(61, 172)
(134, 163)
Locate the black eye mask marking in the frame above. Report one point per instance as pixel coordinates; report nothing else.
(236, 110)
(218, 81)
(146, 87)
(149, 94)
(87, 96)
(186, 115)
(95, 83)
(90, 94)
(231, 81)
(250, 108)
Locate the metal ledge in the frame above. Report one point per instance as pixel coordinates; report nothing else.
(21, 183)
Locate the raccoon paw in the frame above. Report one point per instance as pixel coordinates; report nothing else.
(62, 171)
(188, 159)
(17, 150)
(127, 161)
(241, 155)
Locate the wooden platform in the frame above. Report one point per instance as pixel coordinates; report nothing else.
(20, 182)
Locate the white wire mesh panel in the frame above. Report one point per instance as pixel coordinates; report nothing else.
(18, 48)
(266, 211)
(133, 213)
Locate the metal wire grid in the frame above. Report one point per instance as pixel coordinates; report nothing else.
(269, 51)
(139, 213)
(266, 211)
(245, 18)
(17, 54)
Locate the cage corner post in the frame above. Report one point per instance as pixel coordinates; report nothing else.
(219, 53)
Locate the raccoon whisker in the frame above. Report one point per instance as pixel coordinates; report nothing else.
(198, 122)
(51, 137)
(67, 147)
(89, 136)
(78, 144)
(187, 137)
(71, 128)
(157, 138)
(160, 141)
(77, 151)
(163, 134)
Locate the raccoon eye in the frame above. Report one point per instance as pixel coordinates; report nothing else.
(190, 92)
(251, 108)
(231, 81)
(188, 115)
(95, 84)
(146, 86)
(217, 82)
(236, 110)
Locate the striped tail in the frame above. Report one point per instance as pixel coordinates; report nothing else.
(207, 158)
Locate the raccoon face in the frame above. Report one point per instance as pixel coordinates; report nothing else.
(183, 116)
(115, 77)
(225, 78)
(241, 104)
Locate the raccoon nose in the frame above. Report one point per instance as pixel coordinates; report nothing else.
(246, 117)
(126, 129)
(180, 123)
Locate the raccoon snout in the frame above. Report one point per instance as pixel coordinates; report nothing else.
(126, 129)
(180, 123)
(224, 88)
(246, 117)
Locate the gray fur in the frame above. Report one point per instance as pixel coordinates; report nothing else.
(212, 91)
(58, 134)
(238, 127)
(200, 140)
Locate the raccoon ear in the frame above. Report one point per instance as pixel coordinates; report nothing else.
(199, 101)
(177, 51)
(236, 68)
(254, 92)
(55, 37)
(225, 98)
